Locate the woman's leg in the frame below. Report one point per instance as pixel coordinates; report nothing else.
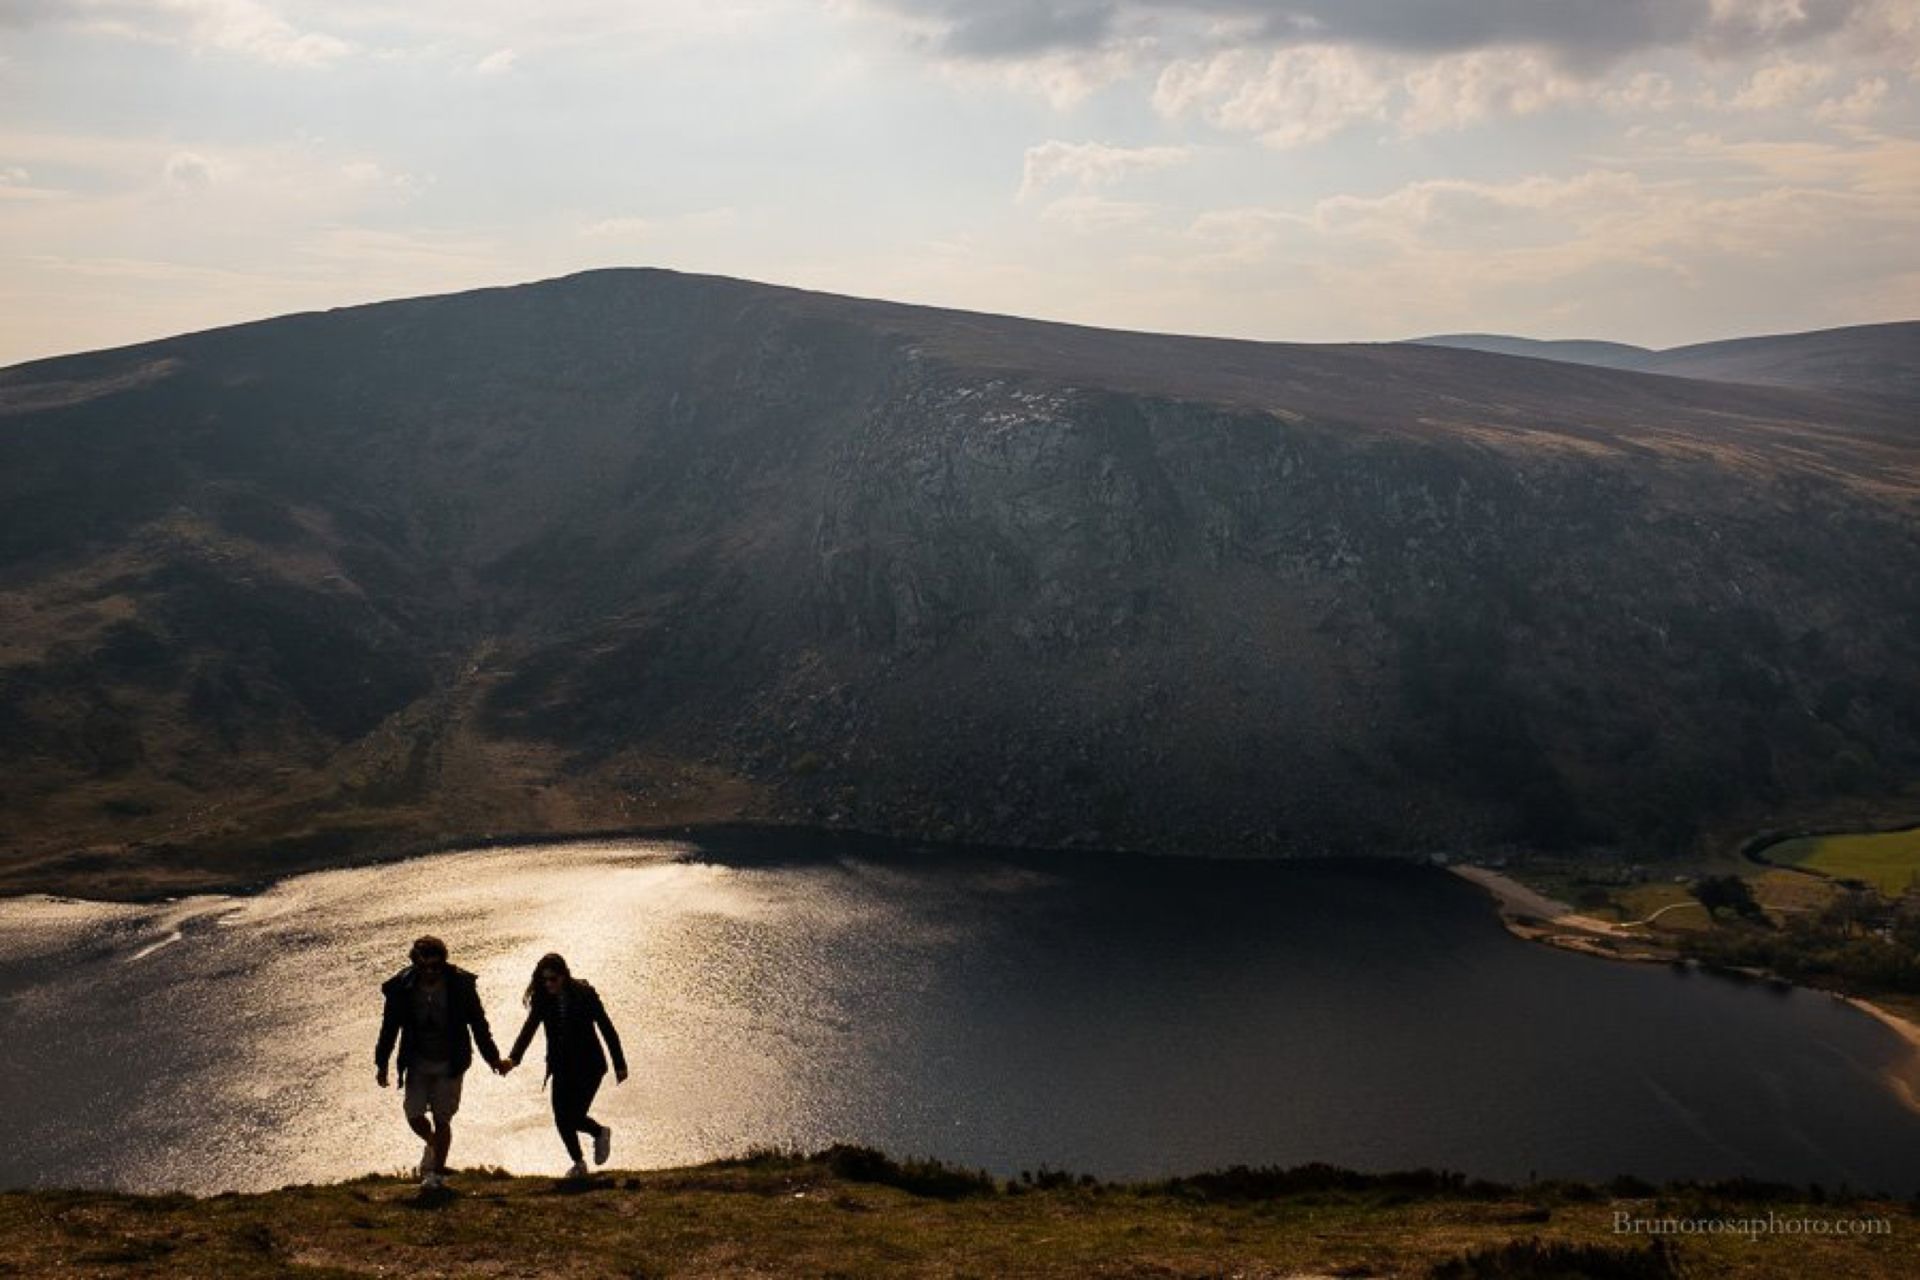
(584, 1123)
(566, 1109)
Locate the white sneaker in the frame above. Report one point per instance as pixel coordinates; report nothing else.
(432, 1182)
(579, 1169)
(602, 1143)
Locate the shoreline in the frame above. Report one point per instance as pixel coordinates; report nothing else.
(1533, 916)
(736, 838)
(1527, 913)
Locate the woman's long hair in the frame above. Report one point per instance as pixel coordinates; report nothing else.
(552, 962)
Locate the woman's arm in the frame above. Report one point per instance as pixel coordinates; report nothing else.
(612, 1037)
(521, 1041)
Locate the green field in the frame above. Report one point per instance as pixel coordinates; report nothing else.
(1888, 860)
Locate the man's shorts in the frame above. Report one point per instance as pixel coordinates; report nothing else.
(431, 1087)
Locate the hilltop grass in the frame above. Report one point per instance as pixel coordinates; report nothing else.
(855, 1213)
(1887, 860)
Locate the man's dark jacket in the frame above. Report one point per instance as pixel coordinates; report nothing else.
(465, 1017)
(573, 1051)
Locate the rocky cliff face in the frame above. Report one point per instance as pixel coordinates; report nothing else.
(634, 547)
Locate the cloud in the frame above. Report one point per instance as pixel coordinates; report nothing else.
(1287, 98)
(1299, 71)
(1864, 102)
(619, 228)
(1089, 214)
(16, 184)
(1779, 85)
(1309, 93)
(1802, 229)
(1578, 33)
(188, 171)
(1462, 89)
(248, 28)
(1645, 91)
(631, 227)
(1091, 164)
(1062, 79)
(497, 63)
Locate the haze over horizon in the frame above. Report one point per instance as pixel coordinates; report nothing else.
(1656, 174)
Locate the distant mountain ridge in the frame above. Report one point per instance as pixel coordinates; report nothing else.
(1607, 355)
(1877, 359)
(634, 547)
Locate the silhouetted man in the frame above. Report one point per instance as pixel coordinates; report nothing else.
(434, 1010)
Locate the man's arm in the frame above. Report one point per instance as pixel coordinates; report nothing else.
(612, 1037)
(482, 1033)
(389, 1031)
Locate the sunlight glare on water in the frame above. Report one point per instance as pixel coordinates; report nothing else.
(1123, 1015)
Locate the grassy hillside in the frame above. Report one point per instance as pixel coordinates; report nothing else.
(857, 1214)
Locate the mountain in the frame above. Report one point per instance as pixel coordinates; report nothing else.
(1609, 355)
(1881, 358)
(1877, 359)
(633, 547)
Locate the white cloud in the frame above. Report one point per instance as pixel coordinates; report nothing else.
(1863, 103)
(256, 30)
(631, 227)
(1644, 92)
(1805, 229)
(1063, 80)
(1458, 90)
(1311, 93)
(1091, 164)
(249, 28)
(1089, 214)
(497, 63)
(1780, 85)
(1287, 98)
(619, 228)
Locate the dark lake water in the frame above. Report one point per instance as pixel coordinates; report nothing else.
(1118, 1015)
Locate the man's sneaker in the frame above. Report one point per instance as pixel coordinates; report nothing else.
(429, 1163)
(579, 1169)
(602, 1144)
(432, 1181)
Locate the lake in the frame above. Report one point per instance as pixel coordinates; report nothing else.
(1120, 1015)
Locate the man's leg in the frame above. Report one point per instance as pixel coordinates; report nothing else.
(419, 1098)
(446, 1101)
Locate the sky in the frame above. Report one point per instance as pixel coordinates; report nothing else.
(1648, 171)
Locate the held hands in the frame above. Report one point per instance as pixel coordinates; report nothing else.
(505, 1065)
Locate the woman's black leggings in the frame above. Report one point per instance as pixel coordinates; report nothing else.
(572, 1095)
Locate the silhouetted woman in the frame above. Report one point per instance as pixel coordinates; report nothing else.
(570, 1010)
